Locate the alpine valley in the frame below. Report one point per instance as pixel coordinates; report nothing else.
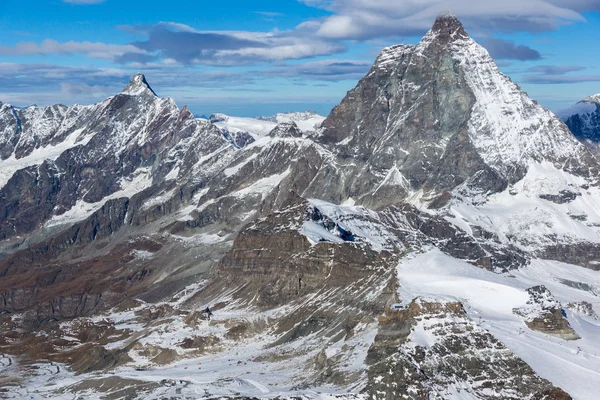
(437, 236)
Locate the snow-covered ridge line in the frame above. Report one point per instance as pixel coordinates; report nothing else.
(262, 126)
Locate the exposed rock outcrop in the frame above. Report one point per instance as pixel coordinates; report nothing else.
(544, 313)
(433, 350)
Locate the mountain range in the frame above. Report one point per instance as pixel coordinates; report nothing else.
(436, 236)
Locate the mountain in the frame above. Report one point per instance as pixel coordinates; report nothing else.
(436, 236)
(261, 126)
(420, 106)
(583, 119)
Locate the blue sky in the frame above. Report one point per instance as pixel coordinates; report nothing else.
(252, 58)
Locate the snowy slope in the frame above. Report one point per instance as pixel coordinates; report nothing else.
(508, 128)
(525, 216)
(490, 298)
(257, 127)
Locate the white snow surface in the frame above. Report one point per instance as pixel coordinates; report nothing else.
(257, 127)
(520, 217)
(51, 152)
(305, 121)
(593, 99)
(489, 299)
(506, 126)
(253, 126)
(364, 224)
(582, 108)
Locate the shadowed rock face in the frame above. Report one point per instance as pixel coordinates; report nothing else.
(105, 146)
(273, 263)
(583, 119)
(411, 105)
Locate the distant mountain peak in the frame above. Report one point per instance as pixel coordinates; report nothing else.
(138, 85)
(583, 119)
(593, 99)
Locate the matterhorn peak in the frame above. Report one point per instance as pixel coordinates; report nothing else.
(138, 85)
(447, 29)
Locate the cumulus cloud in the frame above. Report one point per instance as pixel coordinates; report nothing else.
(179, 43)
(507, 50)
(367, 19)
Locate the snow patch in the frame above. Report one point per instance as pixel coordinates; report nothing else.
(141, 180)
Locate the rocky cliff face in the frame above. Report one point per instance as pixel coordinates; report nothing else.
(59, 163)
(123, 220)
(545, 314)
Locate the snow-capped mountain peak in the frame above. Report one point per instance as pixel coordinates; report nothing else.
(442, 114)
(583, 119)
(593, 99)
(438, 218)
(138, 85)
(446, 29)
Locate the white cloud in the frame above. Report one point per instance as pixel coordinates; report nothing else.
(49, 46)
(186, 45)
(368, 19)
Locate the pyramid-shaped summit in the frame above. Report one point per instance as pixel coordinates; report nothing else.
(443, 115)
(138, 85)
(448, 28)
